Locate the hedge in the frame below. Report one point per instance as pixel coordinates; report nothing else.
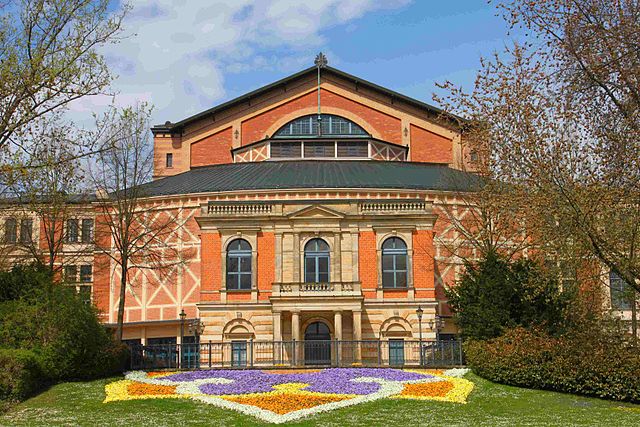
(583, 363)
(20, 374)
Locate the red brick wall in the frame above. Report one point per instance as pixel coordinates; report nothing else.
(367, 263)
(423, 274)
(266, 264)
(256, 128)
(101, 267)
(212, 150)
(429, 147)
(211, 268)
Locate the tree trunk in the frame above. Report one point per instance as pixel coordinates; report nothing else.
(123, 293)
(634, 318)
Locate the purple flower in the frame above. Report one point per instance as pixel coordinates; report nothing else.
(333, 380)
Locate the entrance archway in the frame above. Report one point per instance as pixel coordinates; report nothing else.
(317, 344)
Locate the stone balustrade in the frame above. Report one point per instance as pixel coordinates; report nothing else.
(239, 209)
(384, 207)
(295, 289)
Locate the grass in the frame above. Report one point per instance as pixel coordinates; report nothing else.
(489, 405)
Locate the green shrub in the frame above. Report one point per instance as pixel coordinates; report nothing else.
(586, 362)
(57, 325)
(20, 374)
(495, 294)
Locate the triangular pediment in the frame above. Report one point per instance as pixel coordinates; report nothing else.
(316, 211)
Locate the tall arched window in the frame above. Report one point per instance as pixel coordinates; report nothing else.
(316, 261)
(239, 265)
(394, 263)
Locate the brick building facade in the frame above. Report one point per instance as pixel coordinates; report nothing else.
(299, 225)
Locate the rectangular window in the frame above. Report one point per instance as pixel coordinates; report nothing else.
(353, 149)
(70, 273)
(319, 149)
(87, 230)
(621, 292)
(84, 292)
(10, 230)
(396, 352)
(26, 230)
(283, 150)
(86, 273)
(238, 353)
(72, 230)
(169, 160)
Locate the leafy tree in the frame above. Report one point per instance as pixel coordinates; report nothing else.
(556, 117)
(495, 294)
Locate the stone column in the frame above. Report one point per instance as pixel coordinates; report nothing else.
(337, 324)
(295, 335)
(357, 334)
(277, 326)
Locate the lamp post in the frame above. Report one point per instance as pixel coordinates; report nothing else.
(419, 312)
(436, 324)
(196, 327)
(183, 316)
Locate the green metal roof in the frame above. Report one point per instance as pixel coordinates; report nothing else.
(325, 174)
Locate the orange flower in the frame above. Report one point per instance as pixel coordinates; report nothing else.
(437, 389)
(284, 403)
(142, 389)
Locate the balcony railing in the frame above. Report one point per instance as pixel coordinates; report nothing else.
(296, 289)
(277, 354)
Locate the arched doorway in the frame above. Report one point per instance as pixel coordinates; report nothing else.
(317, 344)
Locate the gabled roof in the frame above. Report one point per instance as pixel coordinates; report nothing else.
(178, 126)
(314, 174)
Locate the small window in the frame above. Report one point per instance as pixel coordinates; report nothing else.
(169, 160)
(10, 230)
(621, 292)
(283, 150)
(238, 353)
(87, 230)
(26, 231)
(239, 265)
(353, 149)
(86, 273)
(72, 230)
(319, 149)
(70, 273)
(394, 263)
(84, 292)
(396, 352)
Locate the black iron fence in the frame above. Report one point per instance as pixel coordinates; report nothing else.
(274, 354)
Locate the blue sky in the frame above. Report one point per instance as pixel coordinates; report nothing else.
(184, 56)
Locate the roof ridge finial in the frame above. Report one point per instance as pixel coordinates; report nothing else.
(321, 60)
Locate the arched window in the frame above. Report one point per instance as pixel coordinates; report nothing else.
(239, 265)
(316, 261)
(394, 263)
(332, 125)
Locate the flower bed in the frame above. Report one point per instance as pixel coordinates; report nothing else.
(286, 395)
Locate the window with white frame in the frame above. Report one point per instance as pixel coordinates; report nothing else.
(394, 263)
(239, 265)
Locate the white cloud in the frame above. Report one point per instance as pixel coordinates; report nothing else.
(181, 50)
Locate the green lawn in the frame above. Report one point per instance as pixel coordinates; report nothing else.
(489, 405)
